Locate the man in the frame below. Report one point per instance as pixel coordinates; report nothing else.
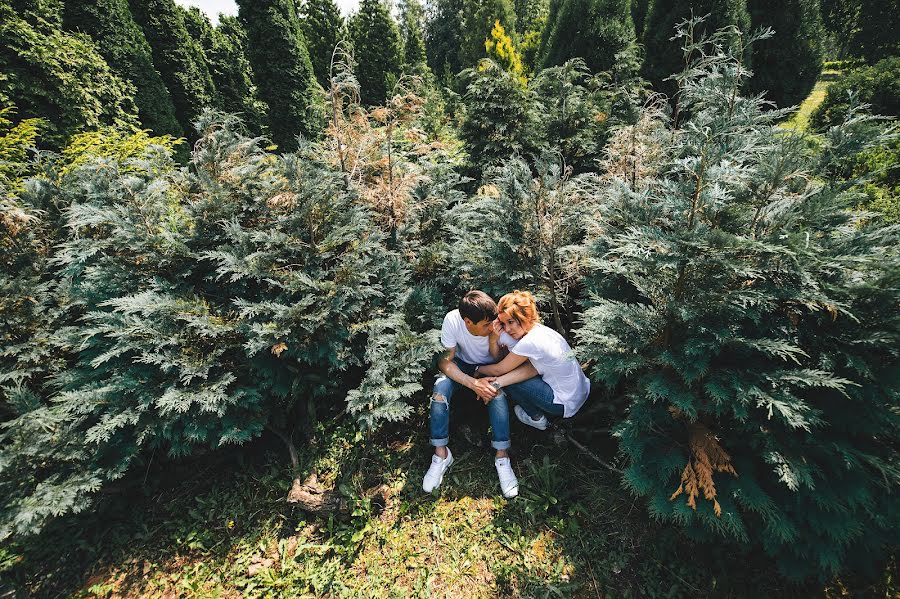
(467, 335)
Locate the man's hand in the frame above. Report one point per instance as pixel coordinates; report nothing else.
(483, 390)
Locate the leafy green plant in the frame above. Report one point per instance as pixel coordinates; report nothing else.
(745, 328)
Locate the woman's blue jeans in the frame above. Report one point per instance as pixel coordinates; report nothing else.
(535, 396)
(498, 411)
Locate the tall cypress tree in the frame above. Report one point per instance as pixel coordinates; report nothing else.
(178, 58)
(593, 30)
(376, 47)
(200, 31)
(531, 19)
(443, 36)
(281, 66)
(878, 33)
(321, 23)
(122, 43)
(59, 77)
(663, 56)
(223, 50)
(412, 28)
(787, 65)
(233, 75)
(479, 17)
(639, 10)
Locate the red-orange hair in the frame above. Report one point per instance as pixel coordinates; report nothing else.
(521, 306)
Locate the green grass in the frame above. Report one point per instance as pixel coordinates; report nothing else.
(218, 526)
(800, 120)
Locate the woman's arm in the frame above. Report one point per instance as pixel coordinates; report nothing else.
(522, 373)
(497, 352)
(510, 362)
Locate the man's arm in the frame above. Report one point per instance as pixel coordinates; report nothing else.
(481, 387)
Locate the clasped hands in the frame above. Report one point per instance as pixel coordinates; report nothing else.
(482, 384)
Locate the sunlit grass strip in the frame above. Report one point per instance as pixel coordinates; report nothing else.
(800, 119)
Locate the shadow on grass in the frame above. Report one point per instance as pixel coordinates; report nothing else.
(218, 525)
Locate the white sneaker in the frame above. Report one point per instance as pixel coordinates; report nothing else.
(540, 424)
(435, 474)
(509, 484)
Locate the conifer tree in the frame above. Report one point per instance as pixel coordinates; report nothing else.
(839, 19)
(593, 30)
(122, 44)
(233, 76)
(738, 310)
(787, 65)
(178, 57)
(224, 52)
(210, 302)
(377, 51)
(553, 9)
(200, 32)
(877, 34)
(531, 18)
(443, 38)
(478, 20)
(663, 56)
(407, 177)
(499, 120)
(281, 67)
(639, 10)
(322, 24)
(24, 246)
(500, 48)
(525, 229)
(59, 77)
(572, 115)
(412, 32)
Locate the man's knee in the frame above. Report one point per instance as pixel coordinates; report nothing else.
(438, 398)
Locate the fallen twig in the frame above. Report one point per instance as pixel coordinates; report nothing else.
(591, 454)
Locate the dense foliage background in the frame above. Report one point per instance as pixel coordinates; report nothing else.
(213, 233)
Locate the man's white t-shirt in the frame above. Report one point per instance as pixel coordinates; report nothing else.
(470, 348)
(552, 357)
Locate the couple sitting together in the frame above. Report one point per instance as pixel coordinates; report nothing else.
(501, 350)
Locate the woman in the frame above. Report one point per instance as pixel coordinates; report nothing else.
(540, 373)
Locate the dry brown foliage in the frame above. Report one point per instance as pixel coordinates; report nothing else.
(707, 458)
(635, 152)
(378, 150)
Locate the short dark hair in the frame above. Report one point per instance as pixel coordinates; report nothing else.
(477, 306)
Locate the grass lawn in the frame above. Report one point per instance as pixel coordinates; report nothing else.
(800, 119)
(218, 526)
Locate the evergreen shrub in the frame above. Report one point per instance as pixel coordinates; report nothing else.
(742, 306)
(198, 306)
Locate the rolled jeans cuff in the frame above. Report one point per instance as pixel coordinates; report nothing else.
(501, 444)
(441, 442)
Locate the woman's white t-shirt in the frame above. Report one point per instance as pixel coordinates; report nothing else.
(552, 357)
(470, 348)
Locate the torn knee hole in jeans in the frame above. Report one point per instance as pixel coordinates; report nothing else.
(439, 398)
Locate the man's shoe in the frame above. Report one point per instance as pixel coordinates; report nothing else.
(509, 484)
(540, 423)
(435, 474)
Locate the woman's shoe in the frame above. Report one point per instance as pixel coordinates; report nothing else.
(541, 423)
